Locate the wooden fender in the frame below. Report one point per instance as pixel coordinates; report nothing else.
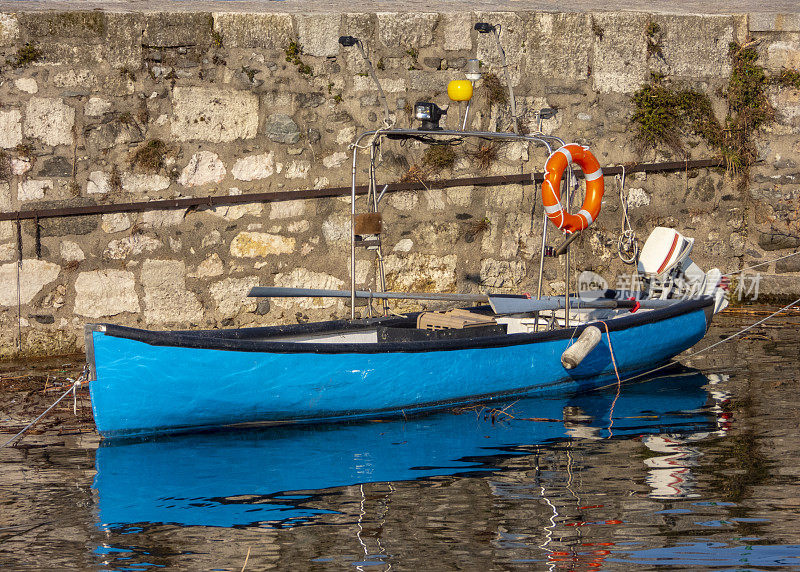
(551, 188)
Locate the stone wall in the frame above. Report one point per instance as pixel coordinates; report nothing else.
(122, 107)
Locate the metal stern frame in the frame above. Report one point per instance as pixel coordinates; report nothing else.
(377, 136)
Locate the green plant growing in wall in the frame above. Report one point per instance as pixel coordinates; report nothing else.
(597, 30)
(495, 92)
(662, 113)
(788, 78)
(485, 155)
(216, 39)
(293, 52)
(414, 55)
(653, 35)
(150, 156)
(439, 157)
(748, 107)
(25, 55)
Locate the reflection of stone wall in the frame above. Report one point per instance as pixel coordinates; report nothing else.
(135, 107)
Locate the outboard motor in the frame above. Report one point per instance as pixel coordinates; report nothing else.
(668, 272)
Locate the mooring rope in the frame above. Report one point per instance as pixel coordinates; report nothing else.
(762, 263)
(705, 349)
(73, 389)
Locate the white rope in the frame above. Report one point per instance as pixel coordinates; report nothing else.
(73, 388)
(762, 263)
(627, 238)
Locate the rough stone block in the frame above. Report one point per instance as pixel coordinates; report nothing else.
(455, 29)
(407, 29)
(336, 229)
(304, 278)
(177, 29)
(96, 107)
(558, 45)
(287, 209)
(230, 296)
(417, 272)
(162, 218)
(393, 85)
(318, 34)
(27, 85)
(122, 46)
(99, 183)
(9, 29)
(115, 222)
(33, 276)
(33, 189)
(131, 246)
(10, 128)
(143, 183)
(238, 30)
(298, 170)
(772, 22)
(254, 167)
(204, 167)
(72, 78)
(787, 108)
(210, 267)
(102, 293)
(55, 167)
(71, 252)
(41, 26)
(166, 299)
(502, 273)
(619, 59)
(259, 244)
(278, 102)
(215, 115)
(50, 120)
(697, 46)
(783, 54)
(282, 129)
(776, 240)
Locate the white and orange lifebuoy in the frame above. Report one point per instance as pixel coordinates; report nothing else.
(556, 164)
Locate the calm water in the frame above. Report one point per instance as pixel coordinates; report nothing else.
(694, 470)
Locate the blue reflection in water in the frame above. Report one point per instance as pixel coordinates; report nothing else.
(240, 478)
(715, 554)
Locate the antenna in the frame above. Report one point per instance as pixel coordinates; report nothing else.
(486, 28)
(348, 41)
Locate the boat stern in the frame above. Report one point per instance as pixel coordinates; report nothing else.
(88, 336)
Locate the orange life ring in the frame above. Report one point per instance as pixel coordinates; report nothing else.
(551, 188)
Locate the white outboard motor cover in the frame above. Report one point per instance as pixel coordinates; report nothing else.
(663, 250)
(664, 262)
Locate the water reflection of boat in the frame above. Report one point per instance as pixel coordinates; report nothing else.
(269, 475)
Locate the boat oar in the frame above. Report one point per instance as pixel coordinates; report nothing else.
(279, 292)
(520, 305)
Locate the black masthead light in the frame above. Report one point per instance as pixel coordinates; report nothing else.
(348, 41)
(429, 114)
(484, 27)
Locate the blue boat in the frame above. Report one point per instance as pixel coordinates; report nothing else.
(147, 382)
(270, 476)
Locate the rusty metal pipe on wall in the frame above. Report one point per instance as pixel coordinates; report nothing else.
(212, 201)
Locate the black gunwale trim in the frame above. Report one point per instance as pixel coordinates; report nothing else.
(237, 339)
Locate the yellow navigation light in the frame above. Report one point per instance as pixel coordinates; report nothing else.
(460, 90)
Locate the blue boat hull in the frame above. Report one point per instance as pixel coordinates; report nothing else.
(250, 477)
(187, 381)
